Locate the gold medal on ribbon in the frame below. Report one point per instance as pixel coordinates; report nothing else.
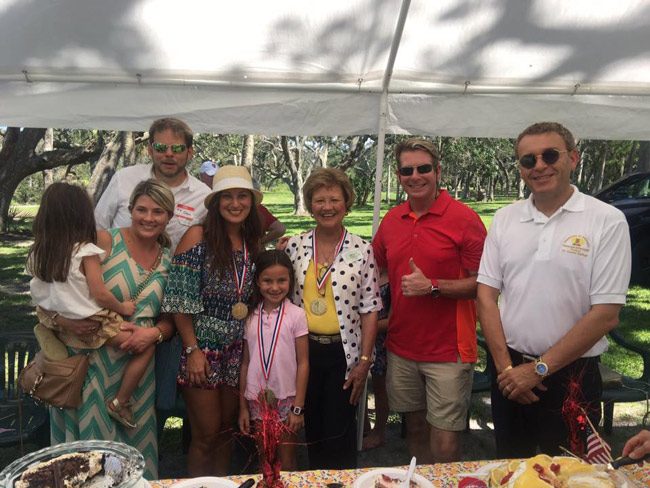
(239, 311)
(318, 306)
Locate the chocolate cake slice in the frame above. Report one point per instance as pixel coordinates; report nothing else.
(65, 471)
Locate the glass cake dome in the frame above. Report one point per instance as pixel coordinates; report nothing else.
(123, 464)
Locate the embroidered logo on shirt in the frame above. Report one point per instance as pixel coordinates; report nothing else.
(576, 244)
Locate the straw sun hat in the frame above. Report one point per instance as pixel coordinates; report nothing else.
(229, 177)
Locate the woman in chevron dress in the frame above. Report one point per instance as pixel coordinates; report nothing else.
(137, 254)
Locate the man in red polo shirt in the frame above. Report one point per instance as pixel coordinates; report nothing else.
(431, 246)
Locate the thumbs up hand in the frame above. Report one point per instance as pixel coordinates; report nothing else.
(415, 283)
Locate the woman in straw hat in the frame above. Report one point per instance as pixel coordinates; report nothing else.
(208, 291)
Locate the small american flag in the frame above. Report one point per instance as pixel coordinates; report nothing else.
(598, 451)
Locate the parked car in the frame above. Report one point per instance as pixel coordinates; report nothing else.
(631, 195)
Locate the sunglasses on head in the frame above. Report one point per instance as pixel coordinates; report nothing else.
(162, 148)
(549, 156)
(422, 169)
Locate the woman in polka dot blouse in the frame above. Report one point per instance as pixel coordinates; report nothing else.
(336, 284)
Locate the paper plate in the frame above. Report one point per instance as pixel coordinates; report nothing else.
(367, 480)
(206, 482)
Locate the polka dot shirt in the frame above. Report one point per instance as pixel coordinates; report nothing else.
(354, 283)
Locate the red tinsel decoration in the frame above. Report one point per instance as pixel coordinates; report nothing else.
(268, 437)
(573, 413)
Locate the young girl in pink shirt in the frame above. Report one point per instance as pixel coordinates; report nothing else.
(275, 352)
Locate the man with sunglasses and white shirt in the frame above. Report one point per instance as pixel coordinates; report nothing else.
(553, 278)
(170, 149)
(431, 247)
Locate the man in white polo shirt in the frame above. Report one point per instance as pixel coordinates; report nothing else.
(553, 277)
(170, 148)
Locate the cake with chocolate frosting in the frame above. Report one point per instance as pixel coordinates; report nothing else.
(75, 470)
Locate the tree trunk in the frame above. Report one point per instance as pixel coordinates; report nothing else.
(521, 187)
(121, 147)
(323, 154)
(48, 145)
(18, 159)
(467, 183)
(504, 172)
(248, 151)
(644, 156)
(294, 160)
(388, 173)
(357, 146)
(600, 171)
(629, 160)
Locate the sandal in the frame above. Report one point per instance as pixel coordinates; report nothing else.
(121, 412)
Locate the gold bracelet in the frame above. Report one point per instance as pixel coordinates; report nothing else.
(161, 337)
(363, 357)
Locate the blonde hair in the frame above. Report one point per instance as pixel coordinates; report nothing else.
(326, 178)
(162, 195)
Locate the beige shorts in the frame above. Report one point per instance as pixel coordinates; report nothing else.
(442, 389)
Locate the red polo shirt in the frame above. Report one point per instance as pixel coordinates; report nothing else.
(444, 242)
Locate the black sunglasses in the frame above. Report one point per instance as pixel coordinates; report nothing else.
(422, 169)
(162, 148)
(549, 156)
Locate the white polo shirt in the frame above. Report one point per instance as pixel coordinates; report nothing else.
(112, 210)
(551, 270)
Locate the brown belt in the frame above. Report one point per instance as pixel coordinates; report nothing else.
(325, 339)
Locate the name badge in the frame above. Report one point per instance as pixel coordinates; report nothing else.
(184, 214)
(351, 256)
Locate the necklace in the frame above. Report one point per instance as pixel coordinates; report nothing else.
(318, 305)
(239, 310)
(266, 358)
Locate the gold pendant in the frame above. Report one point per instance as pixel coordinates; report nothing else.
(239, 311)
(318, 306)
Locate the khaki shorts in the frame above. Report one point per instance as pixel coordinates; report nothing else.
(442, 389)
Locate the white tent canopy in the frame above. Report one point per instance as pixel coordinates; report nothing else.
(462, 67)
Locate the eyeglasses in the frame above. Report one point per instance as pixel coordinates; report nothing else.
(549, 156)
(422, 169)
(162, 148)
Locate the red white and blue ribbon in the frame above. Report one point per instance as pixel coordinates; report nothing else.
(267, 358)
(321, 279)
(240, 279)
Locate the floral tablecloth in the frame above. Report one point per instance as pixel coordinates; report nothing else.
(441, 475)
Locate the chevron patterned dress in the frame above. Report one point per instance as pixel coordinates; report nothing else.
(90, 421)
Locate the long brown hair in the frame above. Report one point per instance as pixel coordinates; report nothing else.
(217, 242)
(64, 219)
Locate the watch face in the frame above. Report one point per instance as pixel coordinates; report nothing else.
(296, 410)
(541, 369)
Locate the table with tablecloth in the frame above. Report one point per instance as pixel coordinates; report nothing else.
(441, 475)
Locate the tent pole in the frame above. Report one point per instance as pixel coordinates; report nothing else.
(383, 114)
(383, 110)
